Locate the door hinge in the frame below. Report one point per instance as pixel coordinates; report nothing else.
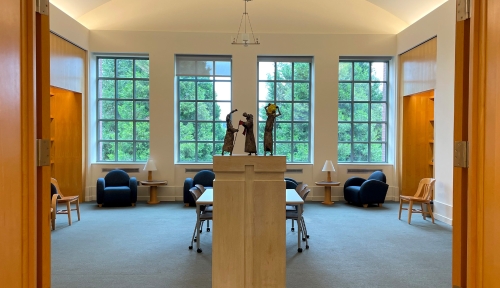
(42, 7)
(461, 154)
(463, 10)
(42, 152)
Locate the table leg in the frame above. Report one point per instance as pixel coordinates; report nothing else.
(153, 199)
(328, 196)
(299, 225)
(198, 224)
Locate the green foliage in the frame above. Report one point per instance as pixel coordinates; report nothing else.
(291, 82)
(362, 88)
(121, 118)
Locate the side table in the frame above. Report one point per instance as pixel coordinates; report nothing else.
(153, 184)
(328, 190)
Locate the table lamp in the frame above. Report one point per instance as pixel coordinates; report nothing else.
(328, 167)
(150, 167)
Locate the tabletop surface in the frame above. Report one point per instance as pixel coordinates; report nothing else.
(154, 182)
(292, 197)
(326, 183)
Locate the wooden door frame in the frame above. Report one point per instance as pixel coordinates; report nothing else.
(470, 124)
(460, 175)
(42, 113)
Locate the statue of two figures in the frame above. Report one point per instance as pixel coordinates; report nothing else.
(272, 111)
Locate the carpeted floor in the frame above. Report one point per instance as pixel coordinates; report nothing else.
(147, 246)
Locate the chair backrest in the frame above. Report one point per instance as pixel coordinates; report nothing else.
(301, 187)
(290, 183)
(304, 193)
(200, 187)
(54, 182)
(195, 192)
(117, 178)
(291, 179)
(425, 189)
(377, 175)
(205, 178)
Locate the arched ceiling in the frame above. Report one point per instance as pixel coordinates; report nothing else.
(267, 16)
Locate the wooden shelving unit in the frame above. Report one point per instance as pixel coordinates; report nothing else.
(66, 139)
(418, 140)
(52, 135)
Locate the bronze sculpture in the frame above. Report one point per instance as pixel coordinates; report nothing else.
(229, 139)
(250, 146)
(268, 130)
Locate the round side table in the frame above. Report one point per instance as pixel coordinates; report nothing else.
(328, 190)
(153, 184)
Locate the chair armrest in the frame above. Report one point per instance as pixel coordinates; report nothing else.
(373, 191)
(100, 190)
(133, 189)
(354, 181)
(188, 184)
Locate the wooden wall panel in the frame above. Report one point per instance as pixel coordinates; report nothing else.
(66, 111)
(418, 68)
(67, 65)
(418, 140)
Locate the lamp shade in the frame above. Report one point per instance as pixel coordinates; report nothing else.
(328, 166)
(150, 165)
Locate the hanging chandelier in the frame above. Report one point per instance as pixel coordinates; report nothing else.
(245, 37)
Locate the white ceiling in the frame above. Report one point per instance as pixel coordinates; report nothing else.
(267, 16)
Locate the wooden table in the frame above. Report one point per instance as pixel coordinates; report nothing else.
(328, 190)
(207, 198)
(153, 184)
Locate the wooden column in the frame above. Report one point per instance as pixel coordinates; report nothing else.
(249, 245)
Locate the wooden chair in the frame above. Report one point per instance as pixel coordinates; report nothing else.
(64, 200)
(424, 195)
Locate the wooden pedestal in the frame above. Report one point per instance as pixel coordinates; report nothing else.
(249, 245)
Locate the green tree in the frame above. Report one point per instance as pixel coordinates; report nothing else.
(358, 103)
(289, 88)
(123, 101)
(201, 130)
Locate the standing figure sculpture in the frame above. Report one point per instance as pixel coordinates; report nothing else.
(268, 130)
(248, 132)
(229, 139)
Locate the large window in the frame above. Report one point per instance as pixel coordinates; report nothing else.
(362, 111)
(204, 100)
(122, 109)
(286, 82)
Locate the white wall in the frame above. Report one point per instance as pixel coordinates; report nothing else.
(440, 22)
(162, 48)
(68, 28)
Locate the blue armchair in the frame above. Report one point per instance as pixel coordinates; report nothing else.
(204, 177)
(117, 189)
(362, 191)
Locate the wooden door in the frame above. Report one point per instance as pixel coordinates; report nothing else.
(480, 265)
(24, 212)
(18, 237)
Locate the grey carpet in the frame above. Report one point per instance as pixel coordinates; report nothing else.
(147, 246)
